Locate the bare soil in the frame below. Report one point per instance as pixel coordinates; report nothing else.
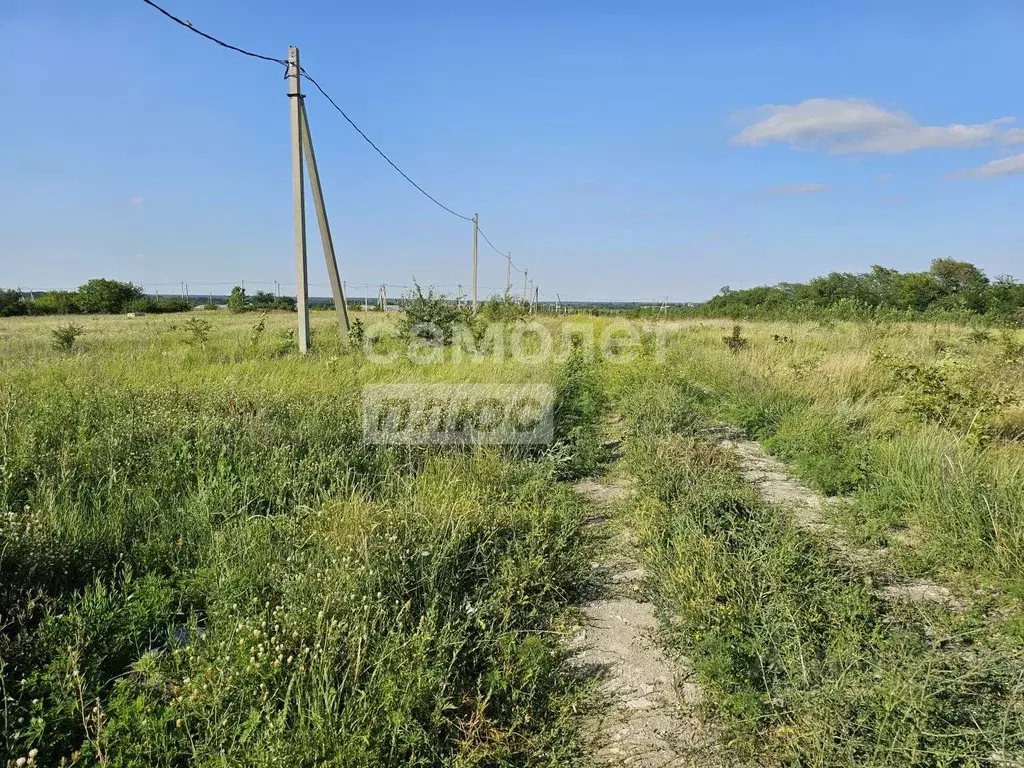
(649, 710)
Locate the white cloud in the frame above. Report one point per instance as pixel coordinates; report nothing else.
(1006, 166)
(136, 201)
(856, 125)
(1014, 136)
(796, 189)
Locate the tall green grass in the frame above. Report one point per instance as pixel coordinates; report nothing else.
(800, 661)
(201, 562)
(914, 425)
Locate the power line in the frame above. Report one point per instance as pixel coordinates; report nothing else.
(504, 256)
(486, 240)
(379, 151)
(188, 25)
(302, 71)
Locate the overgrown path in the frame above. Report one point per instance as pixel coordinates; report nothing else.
(648, 713)
(771, 478)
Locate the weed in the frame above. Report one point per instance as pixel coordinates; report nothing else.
(735, 342)
(357, 334)
(257, 330)
(197, 331)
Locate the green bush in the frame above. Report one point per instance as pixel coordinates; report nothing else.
(55, 303)
(432, 318)
(106, 296)
(237, 300)
(12, 303)
(65, 336)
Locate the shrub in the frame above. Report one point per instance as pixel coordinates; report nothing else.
(197, 331)
(11, 303)
(54, 303)
(262, 300)
(501, 309)
(237, 300)
(64, 337)
(357, 333)
(106, 296)
(170, 304)
(432, 317)
(138, 306)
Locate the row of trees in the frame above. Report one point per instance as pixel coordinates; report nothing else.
(240, 301)
(949, 287)
(97, 296)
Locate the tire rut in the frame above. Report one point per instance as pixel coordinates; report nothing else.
(649, 713)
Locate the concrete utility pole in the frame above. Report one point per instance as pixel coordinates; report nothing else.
(526, 274)
(476, 232)
(536, 295)
(558, 303)
(508, 275)
(277, 289)
(298, 199)
(458, 299)
(337, 290)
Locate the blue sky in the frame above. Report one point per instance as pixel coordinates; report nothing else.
(620, 150)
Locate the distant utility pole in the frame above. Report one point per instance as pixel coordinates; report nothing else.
(526, 274)
(458, 300)
(508, 275)
(277, 289)
(382, 298)
(558, 303)
(476, 232)
(536, 295)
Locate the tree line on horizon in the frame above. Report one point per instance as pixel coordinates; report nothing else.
(949, 289)
(113, 297)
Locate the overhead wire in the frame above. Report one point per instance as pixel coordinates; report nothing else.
(189, 26)
(379, 151)
(304, 73)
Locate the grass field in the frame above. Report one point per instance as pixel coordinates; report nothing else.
(917, 428)
(203, 563)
